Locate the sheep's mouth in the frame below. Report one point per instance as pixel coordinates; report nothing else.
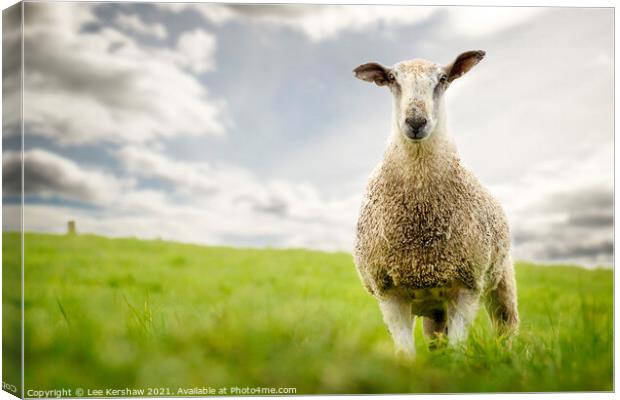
(415, 136)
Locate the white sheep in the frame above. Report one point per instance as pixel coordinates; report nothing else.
(431, 241)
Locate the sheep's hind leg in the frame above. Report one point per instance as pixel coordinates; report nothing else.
(501, 302)
(462, 310)
(435, 327)
(399, 320)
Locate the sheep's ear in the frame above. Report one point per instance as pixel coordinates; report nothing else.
(464, 63)
(373, 72)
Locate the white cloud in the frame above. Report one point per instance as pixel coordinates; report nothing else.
(478, 21)
(196, 178)
(228, 186)
(48, 175)
(323, 22)
(11, 67)
(317, 22)
(83, 87)
(196, 49)
(133, 23)
(562, 210)
(216, 13)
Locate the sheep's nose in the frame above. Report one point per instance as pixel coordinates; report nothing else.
(416, 127)
(416, 124)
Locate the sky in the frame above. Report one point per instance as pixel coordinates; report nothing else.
(243, 125)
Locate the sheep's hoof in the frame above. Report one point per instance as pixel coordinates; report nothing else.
(506, 336)
(438, 342)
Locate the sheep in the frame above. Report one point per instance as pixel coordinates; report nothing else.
(431, 241)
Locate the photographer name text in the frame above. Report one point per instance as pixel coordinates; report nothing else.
(159, 392)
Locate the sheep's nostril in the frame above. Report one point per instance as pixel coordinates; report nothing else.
(416, 123)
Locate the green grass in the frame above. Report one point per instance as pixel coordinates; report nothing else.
(104, 313)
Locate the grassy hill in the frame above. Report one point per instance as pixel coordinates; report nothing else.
(118, 313)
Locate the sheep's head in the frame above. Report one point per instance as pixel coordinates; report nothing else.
(418, 87)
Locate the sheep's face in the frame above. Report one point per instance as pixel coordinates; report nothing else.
(418, 87)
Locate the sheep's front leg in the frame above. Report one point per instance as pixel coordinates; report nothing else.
(399, 320)
(462, 310)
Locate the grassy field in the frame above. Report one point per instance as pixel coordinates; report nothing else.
(125, 313)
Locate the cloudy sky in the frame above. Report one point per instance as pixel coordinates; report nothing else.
(243, 125)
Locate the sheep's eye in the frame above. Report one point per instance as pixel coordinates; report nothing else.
(391, 77)
(443, 79)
